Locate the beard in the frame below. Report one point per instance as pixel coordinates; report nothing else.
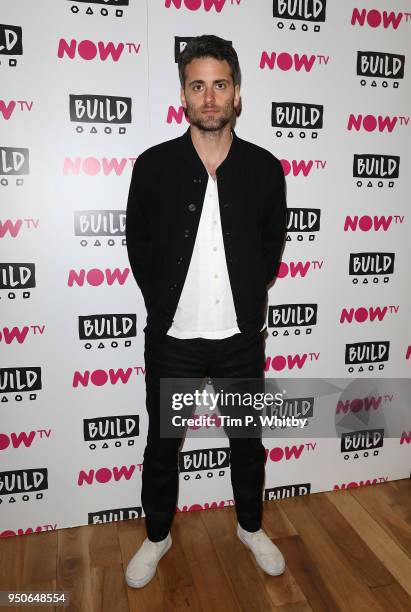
(210, 123)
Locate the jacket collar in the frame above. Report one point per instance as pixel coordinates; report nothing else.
(193, 160)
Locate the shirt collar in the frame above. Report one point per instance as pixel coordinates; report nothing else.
(192, 158)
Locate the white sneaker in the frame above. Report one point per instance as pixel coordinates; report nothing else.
(143, 565)
(266, 553)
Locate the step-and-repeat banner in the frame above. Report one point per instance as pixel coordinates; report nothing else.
(86, 86)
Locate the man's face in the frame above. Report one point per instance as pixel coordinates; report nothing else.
(209, 95)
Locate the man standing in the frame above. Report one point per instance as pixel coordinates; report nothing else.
(205, 227)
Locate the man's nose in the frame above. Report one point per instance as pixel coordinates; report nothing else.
(209, 94)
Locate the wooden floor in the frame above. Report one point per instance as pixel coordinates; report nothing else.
(345, 551)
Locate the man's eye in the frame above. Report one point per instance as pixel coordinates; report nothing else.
(220, 85)
(197, 87)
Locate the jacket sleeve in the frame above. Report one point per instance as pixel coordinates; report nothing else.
(137, 227)
(275, 225)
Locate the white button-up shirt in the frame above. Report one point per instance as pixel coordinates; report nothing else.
(206, 305)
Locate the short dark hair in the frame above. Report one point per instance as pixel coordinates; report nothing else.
(209, 45)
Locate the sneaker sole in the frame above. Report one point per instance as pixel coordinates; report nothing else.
(137, 584)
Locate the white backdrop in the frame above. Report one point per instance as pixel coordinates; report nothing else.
(64, 179)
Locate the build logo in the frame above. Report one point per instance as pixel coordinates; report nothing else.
(93, 7)
(113, 515)
(16, 279)
(284, 491)
(371, 268)
(292, 117)
(23, 485)
(299, 14)
(115, 329)
(303, 224)
(20, 383)
(111, 431)
(292, 319)
(200, 463)
(373, 170)
(379, 69)
(100, 227)
(88, 109)
(362, 444)
(11, 45)
(14, 165)
(367, 356)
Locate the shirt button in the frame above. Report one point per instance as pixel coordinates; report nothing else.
(215, 275)
(192, 207)
(217, 301)
(180, 260)
(172, 287)
(214, 248)
(186, 233)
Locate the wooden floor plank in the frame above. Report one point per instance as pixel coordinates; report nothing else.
(131, 535)
(359, 557)
(214, 592)
(345, 590)
(238, 567)
(305, 571)
(375, 503)
(346, 551)
(282, 590)
(276, 523)
(73, 567)
(376, 538)
(393, 597)
(398, 496)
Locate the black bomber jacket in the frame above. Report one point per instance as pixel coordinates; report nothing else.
(164, 205)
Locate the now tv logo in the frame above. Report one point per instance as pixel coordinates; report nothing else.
(286, 61)
(405, 437)
(9, 533)
(362, 314)
(96, 277)
(9, 335)
(289, 362)
(206, 506)
(176, 115)
(13, 227)
(278, 453)
(91, 166)
(104, 475)
(367, 223)
(195, 5)
(375, 18)
(15, 440)
(360, 404)
(88, 50)
(302, 167)
(370, 123)
(99, 378)
(360, 483)
(298, 268)
(7, 109)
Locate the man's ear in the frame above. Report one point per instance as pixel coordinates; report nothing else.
(237, 95)
(183, 98)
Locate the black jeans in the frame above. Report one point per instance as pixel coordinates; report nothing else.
(167, 357)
